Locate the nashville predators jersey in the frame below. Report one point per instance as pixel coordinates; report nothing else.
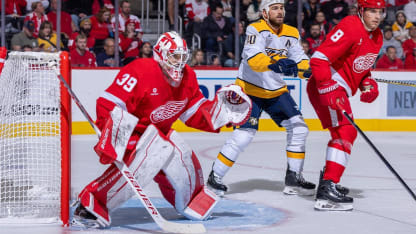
(262, 48)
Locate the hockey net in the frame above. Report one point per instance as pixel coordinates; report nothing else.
(34, 139)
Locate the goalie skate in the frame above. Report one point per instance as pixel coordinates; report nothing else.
(297, 185)
(215, 184)
(328, 198)
(84, 219)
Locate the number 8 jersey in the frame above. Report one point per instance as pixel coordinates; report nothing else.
(351, 52)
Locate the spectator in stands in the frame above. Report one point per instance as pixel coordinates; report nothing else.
(124, 16)
(37, 16)
(196, 11)
(310, 8)
(410, 11)
(80, 56)
(214, 61)
(410, 62)
(171, 11)
(291, 16)
(45, 4)
(216, 28)
(67, 26)
(410, 43)
(47, 38)
(352, 10)
(253, 11)
(305, 47)
(130, 42)
(197, 58)
(229, 46)
(324, 25)
(25, 37)
(401, 27)
(97, 5)
(27, 48)
(84, 29)
(79, 10)
(15, 8)
(226, 5)
(106, 58)
(146, 50)
(335, 10)
(101, 27)
(388, 40)
(389, 60)
(315, 37)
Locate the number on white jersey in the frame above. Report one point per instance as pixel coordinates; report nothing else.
(127, 82)
(251, 39)
(337, 35)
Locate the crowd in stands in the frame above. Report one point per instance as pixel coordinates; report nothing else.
(88, 29)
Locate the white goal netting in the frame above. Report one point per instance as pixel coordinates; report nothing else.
(30, 145)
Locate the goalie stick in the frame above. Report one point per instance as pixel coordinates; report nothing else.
(377, 151)
(164, 224)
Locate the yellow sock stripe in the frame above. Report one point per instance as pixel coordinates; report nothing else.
(225, 160)
(296, 155)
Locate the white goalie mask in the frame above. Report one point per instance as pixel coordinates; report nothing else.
(172, 55)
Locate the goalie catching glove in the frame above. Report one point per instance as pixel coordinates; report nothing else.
(231, 107)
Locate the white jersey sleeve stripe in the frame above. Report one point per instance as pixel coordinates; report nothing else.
(192, 110)
(110, 97)
(320, 55)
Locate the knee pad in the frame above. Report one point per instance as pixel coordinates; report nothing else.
(238, 141)
(297, 131)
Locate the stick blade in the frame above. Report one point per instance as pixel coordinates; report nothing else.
(173, 227)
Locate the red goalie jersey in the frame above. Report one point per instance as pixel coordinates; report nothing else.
(351, 52)
(141, 89)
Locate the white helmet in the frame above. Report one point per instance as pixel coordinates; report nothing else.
(265, 4)
(172, 54)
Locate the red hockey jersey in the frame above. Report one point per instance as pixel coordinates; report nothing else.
(141, 89)
(351, 52)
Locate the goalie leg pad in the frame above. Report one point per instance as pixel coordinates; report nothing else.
(200, 208)
(151, 153)
(182, 180)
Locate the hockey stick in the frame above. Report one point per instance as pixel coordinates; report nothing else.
(396, 82)
(377, 151)
(164, 224)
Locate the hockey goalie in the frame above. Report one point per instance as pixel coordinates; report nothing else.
(135, 115)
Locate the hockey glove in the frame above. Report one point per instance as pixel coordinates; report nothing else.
(330, 93)
(286, 66)
(369, 90)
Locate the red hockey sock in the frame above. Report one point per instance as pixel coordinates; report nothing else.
(333, 171)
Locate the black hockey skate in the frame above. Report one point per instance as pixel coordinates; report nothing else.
(84, 219)
(296, 184)
(340, 188)
(329, 198)
(215, 184)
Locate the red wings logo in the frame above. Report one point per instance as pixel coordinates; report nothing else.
(167, 110)
(364, 62)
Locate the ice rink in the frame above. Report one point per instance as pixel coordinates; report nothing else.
(255, 202)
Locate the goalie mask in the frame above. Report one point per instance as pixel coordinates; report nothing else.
(172, 54)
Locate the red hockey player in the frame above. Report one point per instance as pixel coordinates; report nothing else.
(156, 92)
(341, 66)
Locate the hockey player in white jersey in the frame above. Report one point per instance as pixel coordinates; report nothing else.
(272, 49)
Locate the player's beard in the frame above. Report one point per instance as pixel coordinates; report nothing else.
(276, 23)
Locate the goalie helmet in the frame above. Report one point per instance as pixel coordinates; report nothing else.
(172, 54)
(265, 4)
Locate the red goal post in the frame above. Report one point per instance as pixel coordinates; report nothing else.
(35, 128)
